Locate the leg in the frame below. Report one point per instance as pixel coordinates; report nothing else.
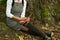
(33, 29)
(28, 31)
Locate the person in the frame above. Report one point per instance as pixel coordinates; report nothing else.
(15, 12)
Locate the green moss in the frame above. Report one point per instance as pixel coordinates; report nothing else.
(2, 2)
(57, 8)
(2, 24)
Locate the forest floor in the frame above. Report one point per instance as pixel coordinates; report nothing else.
(9, 34)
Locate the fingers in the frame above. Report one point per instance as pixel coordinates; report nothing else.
(28, 20)
(24, 20)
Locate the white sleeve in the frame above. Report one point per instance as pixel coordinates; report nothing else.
(8, 9)
(24, 9)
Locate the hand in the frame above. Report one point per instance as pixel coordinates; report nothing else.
(22, 22)
(27, 20)
(19, 19)
(23, 19)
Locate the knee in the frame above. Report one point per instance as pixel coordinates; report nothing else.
(25, 29)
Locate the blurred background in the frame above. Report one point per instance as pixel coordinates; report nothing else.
(45, 14)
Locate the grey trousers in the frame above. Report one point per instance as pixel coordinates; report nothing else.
(13, 24)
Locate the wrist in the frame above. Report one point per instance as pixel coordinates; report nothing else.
(16, 18)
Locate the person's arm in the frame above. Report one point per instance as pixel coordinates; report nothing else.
(24, 9)
(23, 19)
(23, 12)
(10, 15)
(8, 11)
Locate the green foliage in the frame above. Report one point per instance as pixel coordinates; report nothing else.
(46, 12)
(39, 9)
(57, 8)
(3, 26)
(2, 10)
(2, 2)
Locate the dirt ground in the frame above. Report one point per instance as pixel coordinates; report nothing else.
(9, 34)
